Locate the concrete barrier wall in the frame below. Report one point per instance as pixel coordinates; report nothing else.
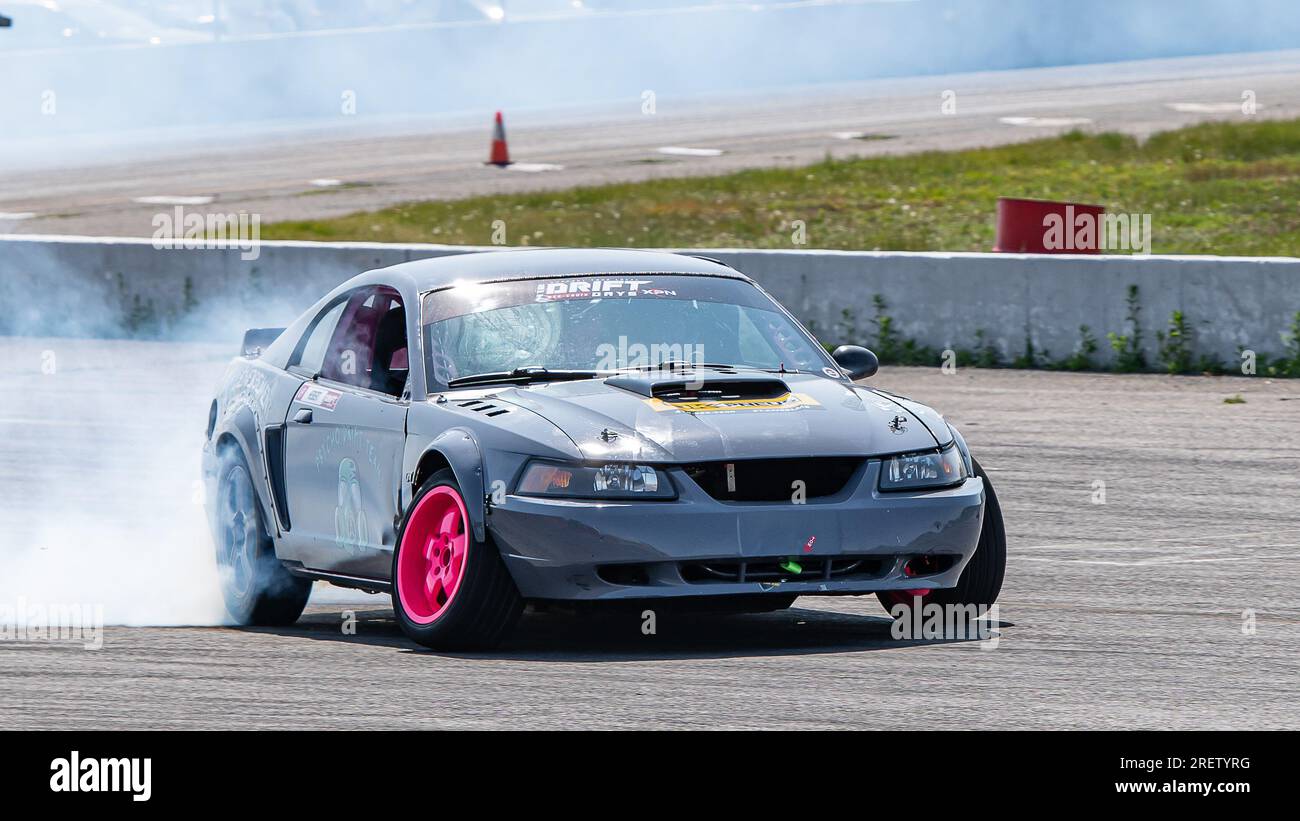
(125, 287)
(942, 300)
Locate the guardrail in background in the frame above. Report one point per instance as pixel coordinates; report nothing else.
(80, 286)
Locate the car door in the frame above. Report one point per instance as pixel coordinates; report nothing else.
(345, 432)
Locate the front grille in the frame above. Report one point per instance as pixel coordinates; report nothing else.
(810, 569)
(774, 480)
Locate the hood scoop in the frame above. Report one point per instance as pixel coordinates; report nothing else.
(699, 387)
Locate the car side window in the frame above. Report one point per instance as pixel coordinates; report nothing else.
(390, 365)
(367, 348)
(311, 353)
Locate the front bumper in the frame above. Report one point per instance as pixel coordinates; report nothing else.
(560, 549)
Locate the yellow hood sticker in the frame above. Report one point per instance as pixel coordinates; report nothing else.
(787, 401)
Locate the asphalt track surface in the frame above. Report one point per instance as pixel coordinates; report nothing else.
(271, 171)
(1123, 615)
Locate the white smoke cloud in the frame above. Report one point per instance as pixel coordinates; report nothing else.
(99, 497)
(386, 68)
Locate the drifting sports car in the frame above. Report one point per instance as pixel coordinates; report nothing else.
(477, 431)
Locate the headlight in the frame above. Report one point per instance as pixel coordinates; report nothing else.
(615, 480)
(920, 471)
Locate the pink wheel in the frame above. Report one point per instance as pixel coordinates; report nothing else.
(451, 591)
(431, 558)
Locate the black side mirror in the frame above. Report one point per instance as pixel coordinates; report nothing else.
(856, 361)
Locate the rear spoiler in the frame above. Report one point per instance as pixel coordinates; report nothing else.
(257, 340)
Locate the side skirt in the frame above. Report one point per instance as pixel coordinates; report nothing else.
(338, 579)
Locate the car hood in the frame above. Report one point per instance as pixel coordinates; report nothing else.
(777, 416)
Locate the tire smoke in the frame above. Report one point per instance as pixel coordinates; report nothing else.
(100, 499)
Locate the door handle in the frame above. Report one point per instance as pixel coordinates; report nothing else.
(303, 416)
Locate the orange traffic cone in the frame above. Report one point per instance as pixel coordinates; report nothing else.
(500, 156)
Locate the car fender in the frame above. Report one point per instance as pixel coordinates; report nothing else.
(461, 450)
(926, 415)
(242, 427)
(964, 449)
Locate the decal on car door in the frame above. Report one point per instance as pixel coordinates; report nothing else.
(351, 529)
(318, 396)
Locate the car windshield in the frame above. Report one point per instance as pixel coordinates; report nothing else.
(608, 323)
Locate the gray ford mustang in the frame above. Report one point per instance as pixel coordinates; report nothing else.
(475, 432)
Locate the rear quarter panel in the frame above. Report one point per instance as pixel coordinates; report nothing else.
(251, 396)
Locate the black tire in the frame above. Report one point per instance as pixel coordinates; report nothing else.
(486, 604)
(256, 587)
(981, 580)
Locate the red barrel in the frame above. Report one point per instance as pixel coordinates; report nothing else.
(1046, 227)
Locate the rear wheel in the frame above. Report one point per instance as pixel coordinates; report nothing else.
(256, 587)
(450, 591)
(981, 580)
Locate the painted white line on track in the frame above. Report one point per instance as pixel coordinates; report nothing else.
(1205, 108)
(167, 199)
(682, 151)
(326, 183)
(1143, 563)
(1044, 122)
(1166, 547)
(10, 216)
(1253, 534)
(534, 167)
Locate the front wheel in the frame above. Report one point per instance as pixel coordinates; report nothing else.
(256, 587)
(450, 591)
(981, 580)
